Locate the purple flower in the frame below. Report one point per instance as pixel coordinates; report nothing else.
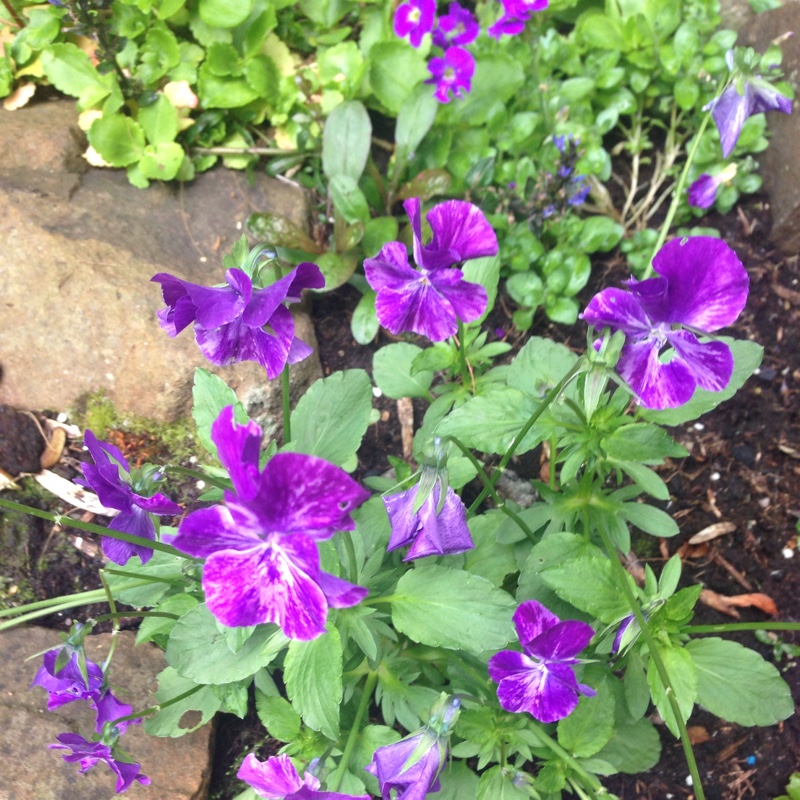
(453, 73)
(277, 779)
(457, 27)
(110, 477)
(515, 14)
(229, 321)
(432, 528)
(68, 683)
(411, 766)
(703, 192)
(414, 19)
(623, 626)
(430, 300)
(701, 286)
(262, 563)
(581, 191)
(541, 680)
(747, 95)
(87, 754)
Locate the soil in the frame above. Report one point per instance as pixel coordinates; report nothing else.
(743, 468)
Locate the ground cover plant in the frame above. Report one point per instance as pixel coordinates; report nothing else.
(510, 645)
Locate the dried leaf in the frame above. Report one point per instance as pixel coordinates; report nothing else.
(73, 494)
(712, 532)
(19, 97)
(786, 294)
(55, 447)
(719, 603)
(405, 412)
(758, 599)
(698, 734)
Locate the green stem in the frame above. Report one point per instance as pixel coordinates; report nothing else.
(548, 400)
(463, 365)
(60, 519)
(386, 598)
(16, 17)
(557, 749)
(114, 615)
(742, 626)
(488, 484)
(369, 687)
(130, 614)
(622, 582)
(91, 596)
(156, 708)
(220, 483)
(124, 573)
(287, 405)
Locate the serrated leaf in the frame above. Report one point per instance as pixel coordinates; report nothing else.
(159, 121)
(646, 444)
(118, 139)
(495, 785)
(69, 69)
(170, 721)
(313, 676)
(151, 627)
(450, 608)
(588, 728)
(332, 417)
(394, 75)
(161, 162)
(683, 680)
(737, 684)
(392, 370)
(633, 747)
(211, 394)
(278, 717)
(650, 519)
(540, 365)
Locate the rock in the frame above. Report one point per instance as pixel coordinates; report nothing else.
(178, 768)
(79, 248)
(780, 166)
(736, 14)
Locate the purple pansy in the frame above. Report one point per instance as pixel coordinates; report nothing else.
(277, 779)
(262, 563)
(430, 529)
(432, 299)
(703, 192)
(515, 14)
(414, 19)
(68, 684)
(541, 680)
(457, 27)
(411, 767)
(451, 73)
(87, 754)
(230, 321)
(701, 286)
(623, 627)
(110, 477)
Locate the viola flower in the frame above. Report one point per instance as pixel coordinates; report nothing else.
(515, 14)
(230, 321)
(131, 494)
(87, 754)
(748, 94)
(430, 300)
(68, 684)
(701, 286)
(414, 19)
(452, 73)
(262, 563)
(703, 192)
(541, 680)
(277, 779)
(432, 528)
(411, 767)
(623, 627)
(457, 27)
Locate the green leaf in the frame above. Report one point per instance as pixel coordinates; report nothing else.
(747, 357)
(161, 162)
(600, 234)
(489, 559)
(200, 652)
(588, 728)
(332, 417)
(185, 716)
(495, 785)
(336, 269)
(364, 324)
(346, 140)
(486, 272)
(394, 75)
(735, 683)
(223, 92)
(224, 13)
(459, 782)
(392, 370)
(450, 608)
(540, 365)
(414, 120)
(348, 199)
(278, 717)
(313, 676)
(650, 519)
(69, 69)
(646, 444)
(377, 232)
(118, 139)
(633, 747)
(151, 627)
(211, 394)
(161, 565)
(683, 679)
(159, 121)
(637, 693)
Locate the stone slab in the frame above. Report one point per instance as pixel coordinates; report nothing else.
(178, 768)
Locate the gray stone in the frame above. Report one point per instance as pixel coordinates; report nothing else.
(780, 166)
(178, 768)
(79, 248)
(736, 14)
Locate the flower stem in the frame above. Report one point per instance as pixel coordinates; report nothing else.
(114, 616)
(655, 654)
(467, 378)
(287, 406)
(131, 614)
(591, 780)
(156, 708)
(220, 483)
(548, 400)
(60, 519)
(727, 627)
(369, 687)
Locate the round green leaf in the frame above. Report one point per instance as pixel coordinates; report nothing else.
(225, 13)
(118, 139)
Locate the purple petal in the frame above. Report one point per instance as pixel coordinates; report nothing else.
(619, 310)
(108, 709)
(561, 642)
(443, 534)
(220, 305)
(703, 192)
(274, 778)
(390, 767)
(137, 522)
(711, 363)
(656, 385)
(402, 518)
(276, 582)
(532, 619)
(208, 530)
(340, 593)
(623, 626)
(707, 284)
(507, 663)
(461, 228)
(730, 112)
(390, 268)
(101, 451)
(264, 302)
(305, 276)
(239, 450)
(158, 504)
(108, 487)
(468, 300)
(180, 311)
(419, 308)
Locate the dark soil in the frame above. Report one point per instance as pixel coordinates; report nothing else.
(743, 468)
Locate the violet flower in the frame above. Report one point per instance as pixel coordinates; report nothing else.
(432, 299)
(132, 494)
(69, 683)
(87, 754)
(746, 96)
(457, 27)
(703, 192)
(277, 779)
(515, 14)
(541, 680)
(262, 563)
(414, 19)
(411, 767)
(624, 624)
(230, 321)
(451, 73)
(701, 286)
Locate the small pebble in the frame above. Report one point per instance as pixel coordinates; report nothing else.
(698, 426)
(62, 417)
(689, 781)
(192, 459)
(376, 392)
(200, 484)
(715, 476)
(788, 552)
